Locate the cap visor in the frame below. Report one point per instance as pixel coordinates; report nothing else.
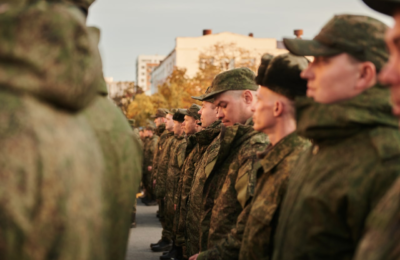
(302, 47)
(386, 7)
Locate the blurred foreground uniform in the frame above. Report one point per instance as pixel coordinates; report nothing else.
(122, 153)
(51, 166)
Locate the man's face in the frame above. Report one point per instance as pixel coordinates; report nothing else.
(178, 130)
(232, 108)
(331, 79)
(141, 134)
(263, 117)
(158, 121)
(208, 114)
(189, 125)
(390, 74)
(148, 133)
(169, 124)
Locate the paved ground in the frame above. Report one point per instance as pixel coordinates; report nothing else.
(148, 230)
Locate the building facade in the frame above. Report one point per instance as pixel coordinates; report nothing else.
(191, 53)
(144, 66)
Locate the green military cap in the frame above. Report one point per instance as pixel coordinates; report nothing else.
(193, 111)
(265, 60)
(383, 6)
(235, 79)
(283, 75)
(161, 112)
(360, 36)
(179, 114)
(204, 97)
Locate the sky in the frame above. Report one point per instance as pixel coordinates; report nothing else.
(131, 27)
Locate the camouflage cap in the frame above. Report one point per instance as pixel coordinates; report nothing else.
(383, 6)
(193, 111)
(265, 60)
(360, 36)
(179, 114)
(283, 76)
(235, 79)
(161, 112)
(43, 62)
(204, 97)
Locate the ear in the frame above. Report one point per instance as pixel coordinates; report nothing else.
(248, 97)
(367, 77)
(278, 108)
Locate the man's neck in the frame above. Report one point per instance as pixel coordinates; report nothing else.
(281, 129)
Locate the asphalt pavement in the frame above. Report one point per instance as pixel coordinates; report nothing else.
(148, 230)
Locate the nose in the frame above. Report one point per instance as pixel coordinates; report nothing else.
(200, 111)
(307, 73)
(390, 74)
(220, 113)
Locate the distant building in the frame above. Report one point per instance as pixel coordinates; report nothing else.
(118, 88)
(144, 66)
(187, 51)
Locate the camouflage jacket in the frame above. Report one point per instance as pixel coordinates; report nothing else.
(354, 160)
(177, 157)
(381, 241)
(200, 141)
(49, 154)
(162, 169)
(123, 160)
(227, 188)
(194, 199)
(255, 227)
(150, 147)
(163, 135)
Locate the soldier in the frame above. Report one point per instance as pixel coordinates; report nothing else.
(177, 157)
(381, 239)
(275, 116)
(51, 166)
(149, 150)
(355, 155)
(223, 174)
(191, 117)
(163, 159)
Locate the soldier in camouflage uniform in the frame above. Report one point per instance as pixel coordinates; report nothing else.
(275, 116)
(191, 117)
(122, 152)
(177, 157)
(355, 155)
(225, 167)
(149, 149)
(160, 177)
(51, 165)
(381, 239)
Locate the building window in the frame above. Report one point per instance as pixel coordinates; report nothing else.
(142, 67)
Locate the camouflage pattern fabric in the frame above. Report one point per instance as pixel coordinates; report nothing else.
(328, 201)
(44, 168)
(253, 234)
(162, 133)
(202, 140)
(194, 201)
(362, 37)
(382, 236)
(123, 159)
(149, 150)
(178, 152)
(226, 190)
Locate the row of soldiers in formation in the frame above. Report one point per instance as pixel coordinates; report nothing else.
(70, 164)
(301, 161)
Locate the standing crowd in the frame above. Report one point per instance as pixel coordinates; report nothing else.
(301, 161)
